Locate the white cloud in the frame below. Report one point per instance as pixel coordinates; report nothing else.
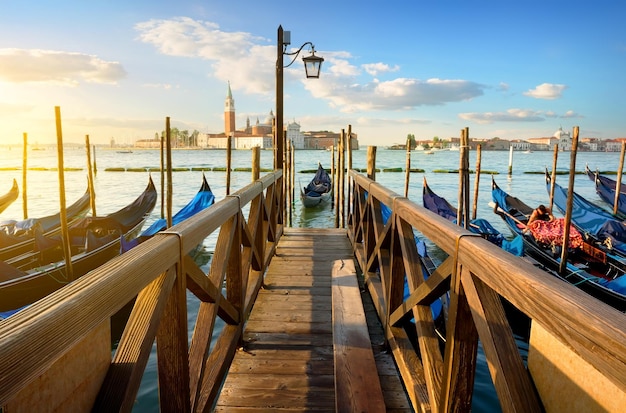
(48, 66)
(397, 94)
(375, 69)
(511, 115)
(164, 86)
(546, 91)
(571, 114)
(248, 62)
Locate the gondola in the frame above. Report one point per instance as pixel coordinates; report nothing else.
(94, 241)
(203, 199)
(606, 181)
(319, 190)
(8, 198)
(605, 188)
(482, 227)
(442, 207)
(608, 231)
(588, 268)
(18, 237)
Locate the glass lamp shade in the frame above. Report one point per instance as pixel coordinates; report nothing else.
(312, 66)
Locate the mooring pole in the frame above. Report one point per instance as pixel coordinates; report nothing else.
(407, 174)
(24, 172)
(476, 182)
(162, 176)
(570, 202)
(90, 185)
(553, 181)
(229, 149)
(170, 187)
(67, 252)
(618, 182)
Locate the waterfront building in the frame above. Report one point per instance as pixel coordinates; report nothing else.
(261, 134)
(294, 135)
(326, 139)
(521, 145)
(614, 145)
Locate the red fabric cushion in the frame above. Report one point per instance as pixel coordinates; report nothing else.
(551, 232)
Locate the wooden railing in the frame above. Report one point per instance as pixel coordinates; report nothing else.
(478, 275)
(35, 342)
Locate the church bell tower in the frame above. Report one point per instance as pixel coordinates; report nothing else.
(229, 113)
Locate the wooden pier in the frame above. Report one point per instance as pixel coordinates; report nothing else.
(293, 333)
(296, 344)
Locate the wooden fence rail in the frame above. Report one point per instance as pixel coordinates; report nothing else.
(156, 274)
(477, 275)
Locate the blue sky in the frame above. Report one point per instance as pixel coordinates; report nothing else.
(512, 69)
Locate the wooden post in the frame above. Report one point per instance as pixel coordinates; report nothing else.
(24, 172)
(552, 182)
(292, 183)
(256, 163)
(92, 191)
(349, 154)
(162, 176)
(618, 182)
(570, 202)
(168, 145)
(371, 162)
(336, 183)
(461, 218)
(466, 191)
(278, 133)
(67, 252)
(288, 150)
(407, 174)
(95, 167)
(285, 188)
(476, 182)
(342, 169)
(229, 150)
(511, 160)
(333, 176)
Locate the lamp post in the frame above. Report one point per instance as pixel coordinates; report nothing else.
(312, 67)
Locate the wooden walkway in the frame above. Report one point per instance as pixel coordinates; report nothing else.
(291, 357)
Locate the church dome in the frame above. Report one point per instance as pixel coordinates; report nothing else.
(270, 118)
(561, 134)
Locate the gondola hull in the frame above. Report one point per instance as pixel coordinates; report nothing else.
(7, 199)
(14, 245)
(35, 278)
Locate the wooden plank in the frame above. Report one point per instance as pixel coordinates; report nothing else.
(357, 385)
(287, 361)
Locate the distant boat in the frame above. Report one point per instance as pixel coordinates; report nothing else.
(528, 151)
(319, 190)
(125, 151)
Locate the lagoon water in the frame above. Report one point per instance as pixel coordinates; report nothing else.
(116, 189)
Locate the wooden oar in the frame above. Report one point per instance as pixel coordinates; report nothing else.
(498, 210)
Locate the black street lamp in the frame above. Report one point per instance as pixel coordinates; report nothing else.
(312, 67)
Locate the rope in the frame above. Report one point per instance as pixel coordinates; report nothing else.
(456, 251)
